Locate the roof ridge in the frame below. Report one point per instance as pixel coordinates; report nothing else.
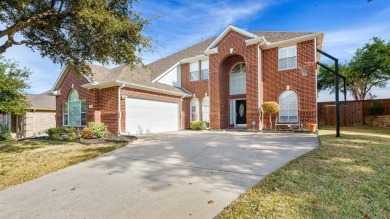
(194, 45)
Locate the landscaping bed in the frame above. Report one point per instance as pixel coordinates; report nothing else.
(28, 159)
(346, 177)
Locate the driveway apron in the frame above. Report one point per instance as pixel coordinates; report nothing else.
(182, 174)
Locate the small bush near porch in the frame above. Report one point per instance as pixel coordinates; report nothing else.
(347, 177)
(28, 159)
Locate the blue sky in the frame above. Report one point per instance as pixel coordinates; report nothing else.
(347, 26)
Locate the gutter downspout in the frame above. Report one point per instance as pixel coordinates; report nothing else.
(181, 112)
(260, 84)
(119, 110)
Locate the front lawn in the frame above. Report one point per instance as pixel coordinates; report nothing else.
(21, 161)
(347, 177)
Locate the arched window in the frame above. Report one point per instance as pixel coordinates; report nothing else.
(288, 102)
(238, 79)
(194, 108)
(206, 109)
(74, 111)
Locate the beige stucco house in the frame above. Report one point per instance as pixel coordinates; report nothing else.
(39, 117)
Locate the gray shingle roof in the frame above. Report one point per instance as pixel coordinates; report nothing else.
(144, 75)
(42, 101)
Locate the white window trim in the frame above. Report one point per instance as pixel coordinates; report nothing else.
(203, 67)
(196, 101)
(207, 98)
(230, 79)
(288, 104)
(63, 114)
(195, 71)
(292, 56)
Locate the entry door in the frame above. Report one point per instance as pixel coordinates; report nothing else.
(240, 111)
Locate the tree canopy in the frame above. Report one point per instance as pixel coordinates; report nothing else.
(369, 67)
(82, 31)
(12, 87)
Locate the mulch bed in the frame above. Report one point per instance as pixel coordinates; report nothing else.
(109, 138)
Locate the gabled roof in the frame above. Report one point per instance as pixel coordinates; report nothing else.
(42, 101)
(160, 66)
(226, 31)
(145, 77)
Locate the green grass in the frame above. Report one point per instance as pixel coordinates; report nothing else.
(346, 177)
(21, 161)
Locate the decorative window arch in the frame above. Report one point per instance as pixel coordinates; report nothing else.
(74, 111)
(288, 102)
(206, 109)
(238, 79)
(194, 109)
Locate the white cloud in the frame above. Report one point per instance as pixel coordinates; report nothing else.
(187, 25)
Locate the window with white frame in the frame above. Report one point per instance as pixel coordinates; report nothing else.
(194, 71)
(288, 57)
(74, 111)
(288, 102)
(194, 108)
(206, 109)
(238, 79)
(204, 68)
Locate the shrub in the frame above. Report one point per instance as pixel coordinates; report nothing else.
(55, 133)
(198, 125)
(375, 109)
(87, 133)
(98, 129)
(5, 133)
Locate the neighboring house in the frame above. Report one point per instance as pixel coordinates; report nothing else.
(39, 117)
(222, 80)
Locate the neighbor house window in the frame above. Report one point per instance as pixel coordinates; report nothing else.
(238, 79)
(206, 109)
(288, 58)
(74, 111)
(288, 102)
(204, 67)
(194, 107)
(194, 71)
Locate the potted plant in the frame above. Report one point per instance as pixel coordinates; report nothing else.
(311, 127)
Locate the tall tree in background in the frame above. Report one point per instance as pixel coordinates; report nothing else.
(12, 87)
(106, 31)
(370, 67)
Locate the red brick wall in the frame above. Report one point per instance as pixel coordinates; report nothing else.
(65, 88)
(220, 64)
(199, 88)
(275, 81)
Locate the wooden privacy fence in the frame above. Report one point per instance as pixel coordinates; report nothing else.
(352, 113)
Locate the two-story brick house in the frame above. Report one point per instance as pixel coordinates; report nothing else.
(222, 80)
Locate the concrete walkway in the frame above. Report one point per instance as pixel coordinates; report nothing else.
(171, 175)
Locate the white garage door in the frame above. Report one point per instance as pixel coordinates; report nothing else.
(148, 116)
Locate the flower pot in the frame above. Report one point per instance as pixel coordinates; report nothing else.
(311, 127)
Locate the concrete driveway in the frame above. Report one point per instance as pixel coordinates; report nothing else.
(170, 175)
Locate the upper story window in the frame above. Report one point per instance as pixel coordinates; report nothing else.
(194, 71)
(204, 67)
(238, 79)
(288, 102)
(288, 58)
(74, 111)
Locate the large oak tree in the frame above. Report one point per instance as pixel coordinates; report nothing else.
(77, 31)
(12, 87)
(369, 67)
